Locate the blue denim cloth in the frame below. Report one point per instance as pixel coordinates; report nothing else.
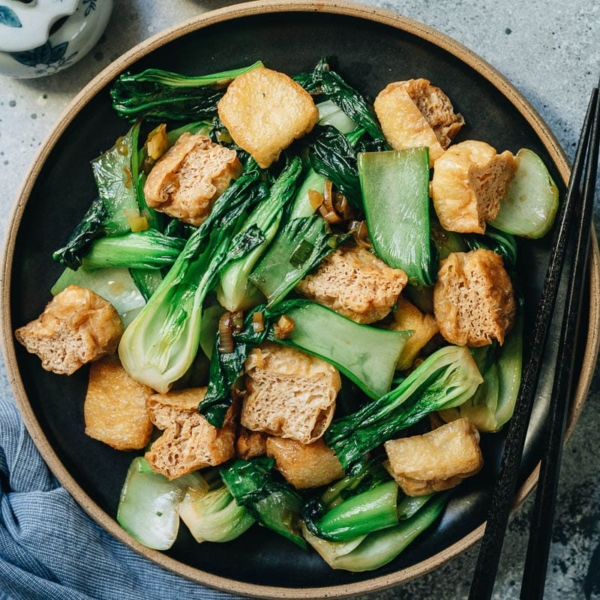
(50, 549)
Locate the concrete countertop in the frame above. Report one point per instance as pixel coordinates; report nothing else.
(550, 51)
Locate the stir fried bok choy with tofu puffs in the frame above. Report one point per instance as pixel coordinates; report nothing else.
(298, 305)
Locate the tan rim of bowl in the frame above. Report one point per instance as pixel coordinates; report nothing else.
(206, 20)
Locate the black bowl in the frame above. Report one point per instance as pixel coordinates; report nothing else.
(370, 48)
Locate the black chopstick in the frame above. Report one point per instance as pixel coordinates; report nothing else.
(536, 563)
(503, 493)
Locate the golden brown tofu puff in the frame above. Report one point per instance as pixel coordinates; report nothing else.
(473, 299)
(415, 113)
(77, 327)
(356, 284)
(437, 460)
(305, 465)
(407, 317)
(289, 393)
(186, 181)
(469, 180)
(250, 444)
(189, 442)
(115, 407)
(437, 109)
(265, 111)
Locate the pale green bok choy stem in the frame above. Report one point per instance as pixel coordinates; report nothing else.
(161, 343)
(236, 291)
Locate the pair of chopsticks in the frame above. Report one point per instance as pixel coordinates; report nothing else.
(575, 218)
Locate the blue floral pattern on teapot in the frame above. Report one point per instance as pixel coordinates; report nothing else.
(67, 31)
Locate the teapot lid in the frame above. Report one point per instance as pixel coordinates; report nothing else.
(25, 25)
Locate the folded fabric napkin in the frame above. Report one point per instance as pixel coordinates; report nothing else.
(50, 549)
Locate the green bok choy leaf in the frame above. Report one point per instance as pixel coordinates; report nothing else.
(331, 155)
(161, 343)
(373, 550)
(255, 235)
(298, 248)
(155, 94)
(324, 81)
(116, 183)
(395, 189)
(493, 404)
(92, 226)
(497, 241)
(447, 378)
(142, 249)
(353, 506)
(270, 500)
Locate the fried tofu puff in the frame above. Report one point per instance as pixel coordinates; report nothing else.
(250, 444)
(289, 393)
(77, 327)
(190, 176)
(305, 465)
(407, 317)
(473, 299)
(469, 180)
(356, 284)
(189, 442)
(115, 407)
(415, 113)
(436, 461)
(265, 111)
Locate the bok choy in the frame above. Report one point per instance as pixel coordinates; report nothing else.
(156, 94)
(366, 512)
(107, 215)
(299, 247)
(143, 249)
(160, 345)
(331, 114)
(373, 550)
(258, 231)
(91, 227)
(532, 200)
(353, 506)
(492, 406)
(332, 156)
(323, 81)
(116, 182)
(149, 502)
(300, 205)
(363, 521)
(447, 378)
(214, 515)
(114, 284)
(366, 355)
(497, 241)
(270, 500)
(395, 189)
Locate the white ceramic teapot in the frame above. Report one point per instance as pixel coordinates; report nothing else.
(41, 37)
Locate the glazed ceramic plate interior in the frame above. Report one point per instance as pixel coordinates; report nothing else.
(370, 49)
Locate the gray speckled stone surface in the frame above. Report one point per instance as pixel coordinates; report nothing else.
(550, 50)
